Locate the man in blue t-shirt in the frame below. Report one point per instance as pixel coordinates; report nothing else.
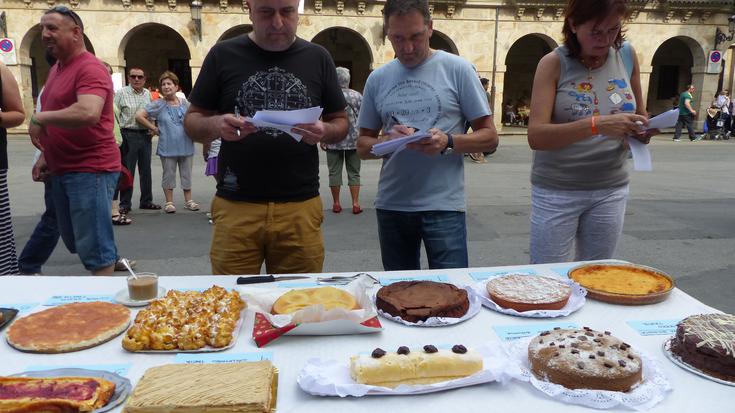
(421, 189)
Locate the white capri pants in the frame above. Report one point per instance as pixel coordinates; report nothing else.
(169, 163)
(591, 219)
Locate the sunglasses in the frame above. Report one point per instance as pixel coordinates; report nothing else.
(136, 76)
(65, 11)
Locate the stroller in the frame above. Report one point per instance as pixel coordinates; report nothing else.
(715, 125)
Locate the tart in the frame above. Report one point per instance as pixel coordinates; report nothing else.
(529, 292)
(54, 394)
(623, 283)
(416, 301)
(329, 297)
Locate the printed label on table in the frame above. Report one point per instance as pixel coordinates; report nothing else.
(67, 299)
(484, 275)
(119, 369)
(654, 327)
(202, 358)
(21, 307)
(510, 333)
(438, 278)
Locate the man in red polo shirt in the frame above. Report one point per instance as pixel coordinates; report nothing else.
(74, 131)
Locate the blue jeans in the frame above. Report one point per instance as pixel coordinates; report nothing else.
(44, 238)
(83, 208)
(444, 234)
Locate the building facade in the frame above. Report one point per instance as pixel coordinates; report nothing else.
(503, 39)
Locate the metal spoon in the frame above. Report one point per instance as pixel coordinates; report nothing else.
(126, 263)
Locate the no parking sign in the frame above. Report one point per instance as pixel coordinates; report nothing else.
(714, 61)
(7, 51)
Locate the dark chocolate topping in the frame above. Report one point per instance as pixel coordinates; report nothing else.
(378, 353)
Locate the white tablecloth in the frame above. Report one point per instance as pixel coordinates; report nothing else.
(690, 392)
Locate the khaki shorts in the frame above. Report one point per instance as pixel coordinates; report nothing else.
(286, 235)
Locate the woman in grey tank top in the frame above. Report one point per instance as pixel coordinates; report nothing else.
(582, 108)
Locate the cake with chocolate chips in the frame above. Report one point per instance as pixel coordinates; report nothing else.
(707, 342)
(585, 359)
(416, 301)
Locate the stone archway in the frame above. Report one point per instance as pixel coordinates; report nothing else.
(348, 49)
(156, 48)
(440, 41)
(236, 31)
(521, 61)
(673, 66)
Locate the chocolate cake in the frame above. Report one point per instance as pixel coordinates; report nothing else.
(416, 301)
(585, 359)
(707, 342)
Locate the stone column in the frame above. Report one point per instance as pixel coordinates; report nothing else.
(499, 81)
(706, 87)
(645, 72)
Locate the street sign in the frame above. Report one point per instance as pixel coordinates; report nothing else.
(7, 51)
(714, 61)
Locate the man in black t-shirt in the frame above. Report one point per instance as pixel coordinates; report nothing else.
(267, 206)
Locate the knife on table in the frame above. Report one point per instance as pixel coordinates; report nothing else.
(269, 279)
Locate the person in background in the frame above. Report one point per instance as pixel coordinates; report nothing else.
(577, 130)
(346, 150)
(686, 115)
(12, 114)
(175, 148)
(723, 103)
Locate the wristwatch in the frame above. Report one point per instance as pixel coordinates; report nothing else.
(449, 149)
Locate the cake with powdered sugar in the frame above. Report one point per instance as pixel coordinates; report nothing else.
(585, 359)
(529, 292)
(707, 342)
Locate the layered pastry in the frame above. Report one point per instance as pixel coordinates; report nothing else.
(211, 388)
(585, 359)
(529, 292)
(707, 342)
(68, 327)
(186, 320)
(329, 297)
(414, 366)
(416, 301)
(54, 394)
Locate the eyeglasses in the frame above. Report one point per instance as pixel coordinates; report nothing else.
(136, 76)
(65, 11)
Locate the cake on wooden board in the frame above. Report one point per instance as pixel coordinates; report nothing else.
(707, 342)
(416, 301)
(529, 292)
(585, 359)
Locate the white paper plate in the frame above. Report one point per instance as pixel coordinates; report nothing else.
(122, 384)
(644, 396)
(475, 306)
(576, 301)
(123, 298)
(686, 366)
(332, 378)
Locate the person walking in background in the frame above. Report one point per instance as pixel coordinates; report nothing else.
(175, 148)
(586, 100)
(137, 145)
(346, 150)
(421, 189)
(686, 115)
(12, 114)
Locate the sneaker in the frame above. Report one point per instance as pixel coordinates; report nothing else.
(677, 140)
(119, 266)
(696, 138)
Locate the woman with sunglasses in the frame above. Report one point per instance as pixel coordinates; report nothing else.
(586, 102)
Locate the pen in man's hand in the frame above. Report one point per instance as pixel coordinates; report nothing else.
(398, 122)
(237, 116)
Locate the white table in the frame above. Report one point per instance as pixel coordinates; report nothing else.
(691, 392)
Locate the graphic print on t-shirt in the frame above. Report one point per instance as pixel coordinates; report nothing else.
(274, 89)
(413, 102)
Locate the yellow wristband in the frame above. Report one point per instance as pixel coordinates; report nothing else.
(35, 121)
(594, 127)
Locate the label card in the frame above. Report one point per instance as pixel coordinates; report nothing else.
(654, 327)
(202, 358)
(68, 299)
(510, 333)
(119, 369)
(438, 278)
(21, 307)
(484, 275)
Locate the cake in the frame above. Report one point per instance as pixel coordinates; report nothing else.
(213, 388)
(529, 292)
(329, 297)
(585, 359)
(707, 342)
(416, 301)
(68, 327)
(54, 394)
(414, 366)
(186, 320)
(621, 279)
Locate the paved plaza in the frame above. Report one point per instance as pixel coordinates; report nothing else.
(680, 217)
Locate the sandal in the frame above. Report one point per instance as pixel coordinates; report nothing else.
(169, 208)
(121, 219)
(191, 205)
